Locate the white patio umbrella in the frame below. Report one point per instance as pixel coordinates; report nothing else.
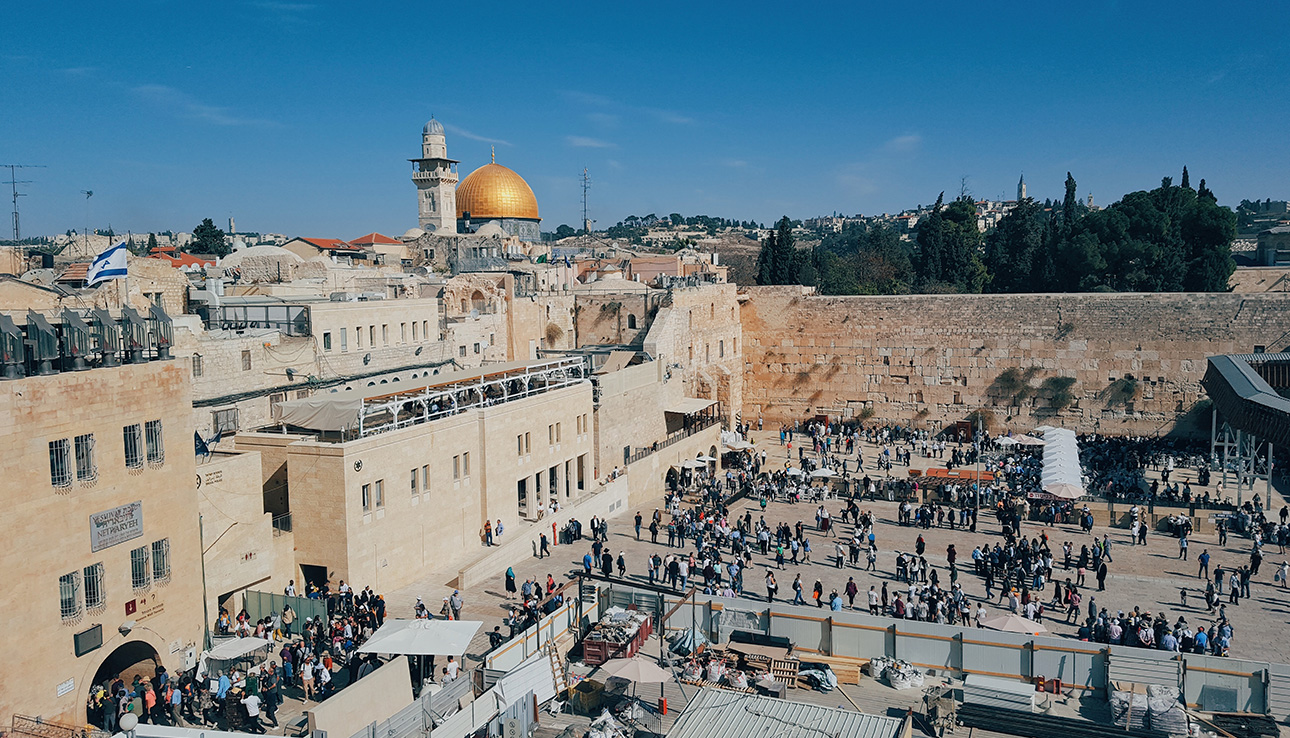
(795, 472)
(1065, 490)
(704, 458)
(637, 670)
(691, 464)
(1029, 441)
(823, 474)
(1007, 441)
(1013, 623)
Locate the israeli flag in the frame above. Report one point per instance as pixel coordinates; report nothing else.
(108, 265)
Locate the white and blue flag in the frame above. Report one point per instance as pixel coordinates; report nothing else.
(108, 265)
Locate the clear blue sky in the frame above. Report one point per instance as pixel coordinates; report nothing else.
(298, 117)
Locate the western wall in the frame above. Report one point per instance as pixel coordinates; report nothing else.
(1114, 363)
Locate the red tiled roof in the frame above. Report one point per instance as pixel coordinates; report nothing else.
(374, 239)
(77, 272)
(182, 260)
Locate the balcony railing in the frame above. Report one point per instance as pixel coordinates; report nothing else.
(698, 424)
(281, 524)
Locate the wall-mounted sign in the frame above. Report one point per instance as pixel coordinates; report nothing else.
(118, 525)
(88, 640)
(67, 687)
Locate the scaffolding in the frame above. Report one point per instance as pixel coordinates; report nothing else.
(1242, 457)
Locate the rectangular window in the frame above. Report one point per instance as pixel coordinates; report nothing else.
(275, 399)
(367, 498)
(415, 329)
(161, 560)
(86, 471)
(156, 449)
(344, 340)
(519, 445)
(139, 568)
(302, 394)
(94, 594)
(425, 477)
(550, 435)
(69, 601)
(60, 463)
(557, 432)
(197, 365)
(385, 334)
(326, 342)
(734, 345)
(132, 435)
(456, 467)
(721, 349)
(476, 348)
(415, 479)
(371, 336)
(403, 332)
(246, 360)
(224, 421)
(425, 329)
(582, 472)
(528, 442)
(461, 351)
(465, 464)
(380, 493)
(358, 336)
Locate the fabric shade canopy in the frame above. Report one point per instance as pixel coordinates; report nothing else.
(692, 464)
(326, 412)
(1013, 623)
(689, 406)
(1062, 474)
(422, 637)
(1028, 441)
(636, 669)
(236, 648)
(823, 473)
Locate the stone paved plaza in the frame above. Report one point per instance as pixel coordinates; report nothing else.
(1149, 577)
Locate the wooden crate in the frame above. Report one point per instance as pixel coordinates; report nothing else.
(784, 670)
(847, 670)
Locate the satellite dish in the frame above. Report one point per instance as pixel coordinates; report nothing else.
(128, 722)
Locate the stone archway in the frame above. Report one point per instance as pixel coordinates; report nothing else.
(128, 659)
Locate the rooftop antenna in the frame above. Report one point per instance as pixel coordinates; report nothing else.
(88, 194)
(586, 186)
(13, 183)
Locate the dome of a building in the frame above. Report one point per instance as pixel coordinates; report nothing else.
(493, 191)
(433, 127)
(412, 234)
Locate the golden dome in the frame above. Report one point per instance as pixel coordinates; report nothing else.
(493, 191)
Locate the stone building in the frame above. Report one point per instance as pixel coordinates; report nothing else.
(101, 537)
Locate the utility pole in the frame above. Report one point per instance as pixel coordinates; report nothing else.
(88, 194)
(13, 183)
(586, 185)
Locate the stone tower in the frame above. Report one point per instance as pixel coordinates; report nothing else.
(1021, 189)
(435, 176)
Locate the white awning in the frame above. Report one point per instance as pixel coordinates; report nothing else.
(325, 412)
(423, 637)
(689, 406)
(236, 648)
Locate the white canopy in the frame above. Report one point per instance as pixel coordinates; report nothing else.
(823, 473)
(1028, 441)
(423, 637)
(236, 648)
(1062, 475)
(692, 464)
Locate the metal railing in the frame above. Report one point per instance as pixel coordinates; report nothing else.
(699, 424)
(281, 524)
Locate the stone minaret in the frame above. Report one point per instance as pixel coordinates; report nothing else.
(435, 176)
(1021, 189)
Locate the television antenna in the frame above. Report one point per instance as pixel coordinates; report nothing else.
(13, 184)
(586, 186)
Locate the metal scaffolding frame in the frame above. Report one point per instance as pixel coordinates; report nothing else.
(385, 413)
(1241, 456)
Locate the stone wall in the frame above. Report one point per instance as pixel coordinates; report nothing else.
(699, 335)
(1124, 363)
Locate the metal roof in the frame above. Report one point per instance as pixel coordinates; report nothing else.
(1246, 400)
(716, 713)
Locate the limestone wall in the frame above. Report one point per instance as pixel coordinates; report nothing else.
(701, 332)
(1135, 360)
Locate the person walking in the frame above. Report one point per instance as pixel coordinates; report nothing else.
(771, 586)
(1182, 547)
(1203, 560)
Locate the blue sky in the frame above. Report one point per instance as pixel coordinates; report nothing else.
(297, 117)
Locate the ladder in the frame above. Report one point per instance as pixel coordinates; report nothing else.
(557, 669)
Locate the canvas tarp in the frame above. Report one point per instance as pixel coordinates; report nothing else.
(329, 412)
(423, 637)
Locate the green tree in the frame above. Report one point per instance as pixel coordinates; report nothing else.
(152, 242)
(208, 239)
(564, 231)
(1016, 256)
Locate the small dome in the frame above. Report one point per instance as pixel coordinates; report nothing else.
(412, 234)
(433, 127)
(491, 228)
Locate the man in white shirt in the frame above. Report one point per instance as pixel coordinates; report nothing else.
(252, 704)
(453, 668)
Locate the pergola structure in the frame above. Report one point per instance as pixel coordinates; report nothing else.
(383, 411)
(1250, 417)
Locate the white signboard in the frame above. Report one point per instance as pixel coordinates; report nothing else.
(117, 525)
(67, 687)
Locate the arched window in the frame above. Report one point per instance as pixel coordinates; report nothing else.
(631, 321)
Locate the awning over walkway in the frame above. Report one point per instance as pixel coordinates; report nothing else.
(236, 648)
(689, 406)
(617, 360)
(422, 637)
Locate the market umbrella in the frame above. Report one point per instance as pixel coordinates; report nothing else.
(1065, 490)
(1029, 441)
(1013, 623)
(637, 670)
(691, 464)
(1007, 441)
(795, 472)
(823, 473)
(705, 458)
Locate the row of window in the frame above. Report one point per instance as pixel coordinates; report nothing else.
(84, 590)
(74, 457)
(420, 332)
(721, 349)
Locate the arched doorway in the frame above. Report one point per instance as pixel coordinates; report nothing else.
(672, 479)
(478, 303)
(128, 660)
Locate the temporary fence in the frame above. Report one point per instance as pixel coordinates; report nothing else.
(419, 717)
(517, 650)
(263, 604)
(1209, 683)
